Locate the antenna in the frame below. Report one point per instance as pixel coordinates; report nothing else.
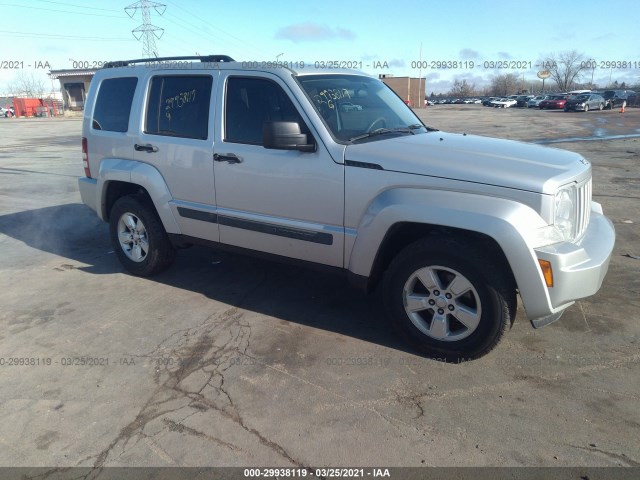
(147, 31)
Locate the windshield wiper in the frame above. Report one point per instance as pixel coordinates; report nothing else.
(382, 131)
(415, 126)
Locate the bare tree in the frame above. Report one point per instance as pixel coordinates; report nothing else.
(462, 89)
(505, 84)
(27, 85)
(565, 68)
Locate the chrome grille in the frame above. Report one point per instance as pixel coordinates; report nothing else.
(583, 208)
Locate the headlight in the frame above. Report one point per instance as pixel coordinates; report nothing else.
(582, 104)
(565, 215)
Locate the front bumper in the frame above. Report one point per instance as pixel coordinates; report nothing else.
(578, 268)
(89, 192)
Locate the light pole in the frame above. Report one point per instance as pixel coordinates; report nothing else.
(422, 94)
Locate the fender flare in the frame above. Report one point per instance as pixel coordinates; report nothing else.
(144, 175)
(507, 222)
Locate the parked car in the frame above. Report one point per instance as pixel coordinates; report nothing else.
(505, 102)
(535, 101)
(523, 100)
(584, 102)
(7, 112)
(349, 107)
(616, 98)
(276, 171)
(487, 101)
(553, 102)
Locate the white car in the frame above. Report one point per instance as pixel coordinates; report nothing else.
(535, 101)
(350, 107)
(505, 103)
(456, 229)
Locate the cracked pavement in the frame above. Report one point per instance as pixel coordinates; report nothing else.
(231, 361)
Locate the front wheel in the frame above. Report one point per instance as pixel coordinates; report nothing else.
(138, 237)
(586, 107)
(448, 300)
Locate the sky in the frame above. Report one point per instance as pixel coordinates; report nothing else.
(375, 36)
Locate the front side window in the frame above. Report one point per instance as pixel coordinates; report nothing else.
(356, 107)
(178, 106)
(113, 104)
(249, 103)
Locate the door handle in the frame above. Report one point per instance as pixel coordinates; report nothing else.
(229, 157)
(145, 148)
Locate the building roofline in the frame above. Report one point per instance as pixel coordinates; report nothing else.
(71, 72)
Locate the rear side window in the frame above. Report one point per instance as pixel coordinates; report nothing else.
(179, 106)
(113, 105)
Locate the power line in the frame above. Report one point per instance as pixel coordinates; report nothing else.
(200, 19)
(200, 32)
(79, 6)
(70, 37)
(61, 11)
(244, 43)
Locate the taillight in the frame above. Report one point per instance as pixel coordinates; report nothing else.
(85, 158)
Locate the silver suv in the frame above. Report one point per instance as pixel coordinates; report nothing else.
(273, 159)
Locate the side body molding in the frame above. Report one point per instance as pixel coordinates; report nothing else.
(143, 174)
(503, 220)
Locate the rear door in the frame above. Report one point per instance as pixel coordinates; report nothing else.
(177, 138)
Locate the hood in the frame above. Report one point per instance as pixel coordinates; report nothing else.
(472, 158)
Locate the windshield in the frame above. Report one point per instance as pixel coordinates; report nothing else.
(355, 107)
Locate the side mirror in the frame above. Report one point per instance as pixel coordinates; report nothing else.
(285, 136)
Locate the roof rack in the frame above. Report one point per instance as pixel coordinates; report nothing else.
(202, 58)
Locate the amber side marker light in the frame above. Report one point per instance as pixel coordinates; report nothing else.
(547, 271)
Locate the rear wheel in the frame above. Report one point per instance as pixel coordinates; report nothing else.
(138, 237)
(448, 300)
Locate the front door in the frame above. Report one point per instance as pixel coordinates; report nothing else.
(283, 202)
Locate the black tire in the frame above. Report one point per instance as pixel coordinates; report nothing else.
(491, 294)
(586, 107)
(160, 252)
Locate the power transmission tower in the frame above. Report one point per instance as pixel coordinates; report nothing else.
(147, 31)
